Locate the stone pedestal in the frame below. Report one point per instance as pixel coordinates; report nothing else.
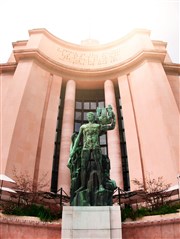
(91, 222)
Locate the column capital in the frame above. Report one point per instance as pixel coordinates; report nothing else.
(108, 82)
(71, 82)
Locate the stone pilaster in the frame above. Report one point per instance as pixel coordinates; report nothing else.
(114, 151)
(67, 131)
(131, 131)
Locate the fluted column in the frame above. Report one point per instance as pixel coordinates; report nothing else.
(114, 151)
(67, 131)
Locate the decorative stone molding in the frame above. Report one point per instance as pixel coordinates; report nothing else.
(166, 226)
(154, 222)
(80, 60)
(29, 221)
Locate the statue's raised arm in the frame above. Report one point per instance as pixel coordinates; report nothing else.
(106, 117)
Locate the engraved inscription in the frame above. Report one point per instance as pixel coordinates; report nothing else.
(88, 59)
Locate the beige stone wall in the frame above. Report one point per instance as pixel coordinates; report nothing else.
(6, 80)
(12, 227)
(156, 227)
(31, 116)
(157, 118)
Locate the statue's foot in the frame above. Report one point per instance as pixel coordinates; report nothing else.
(80, 189)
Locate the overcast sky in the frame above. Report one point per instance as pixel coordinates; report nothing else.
(76, 20)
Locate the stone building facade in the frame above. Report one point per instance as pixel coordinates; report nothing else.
(48, 86)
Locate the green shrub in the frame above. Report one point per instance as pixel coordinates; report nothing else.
(164, 209)
(141, 212)
(129, 212)
(32, 210)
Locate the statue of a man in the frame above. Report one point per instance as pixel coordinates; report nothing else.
(91, 146)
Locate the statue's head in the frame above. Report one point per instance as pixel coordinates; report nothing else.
(90, 116)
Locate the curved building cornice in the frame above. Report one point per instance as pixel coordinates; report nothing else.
(74, 60)
(63, 67)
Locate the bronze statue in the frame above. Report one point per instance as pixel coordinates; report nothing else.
(90, 182)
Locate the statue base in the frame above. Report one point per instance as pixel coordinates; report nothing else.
(97, 198)
(91, 222)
